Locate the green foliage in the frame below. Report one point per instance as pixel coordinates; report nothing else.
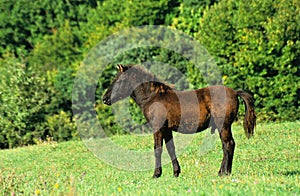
(105, 19)
(29, 107)
(157, 12)
(22, 98)
(190, 13)
(61, 127)
(58, 55)
(58, 51)
(42, 44)
(257, 46)
(24, 22)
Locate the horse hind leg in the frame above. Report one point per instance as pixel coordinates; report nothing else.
(158, 144)
(228, 146)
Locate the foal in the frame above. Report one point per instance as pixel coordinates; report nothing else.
(167, 110)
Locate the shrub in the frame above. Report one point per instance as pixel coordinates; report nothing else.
(256, 44)
(23, 96)
(61, 127)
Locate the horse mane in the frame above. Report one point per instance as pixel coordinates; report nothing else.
(156, 84)
(160, 88)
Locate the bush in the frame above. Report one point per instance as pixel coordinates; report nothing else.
(25, 22)
(42, 43)
(61, 127)
(190, 13)
(257, 47)
(23, 96)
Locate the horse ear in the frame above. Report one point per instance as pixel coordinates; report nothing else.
(120, 68)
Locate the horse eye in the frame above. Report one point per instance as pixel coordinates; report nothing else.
(121, 79)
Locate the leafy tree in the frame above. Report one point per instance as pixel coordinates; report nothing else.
(59, 56)
(257, 46)
(157, 12)
(190, 13)
(23, 95)
(61, 127)
(24, 22)
(42, 44)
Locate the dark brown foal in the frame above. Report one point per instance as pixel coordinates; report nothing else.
(188, 112)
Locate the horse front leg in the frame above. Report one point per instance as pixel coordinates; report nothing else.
(158, 144)
(168, 137)
(228, 146)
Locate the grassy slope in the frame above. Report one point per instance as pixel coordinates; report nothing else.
(268, 164)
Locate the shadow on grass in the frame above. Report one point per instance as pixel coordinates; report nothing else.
(291, 173)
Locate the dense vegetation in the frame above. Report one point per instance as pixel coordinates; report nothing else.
(42, 44)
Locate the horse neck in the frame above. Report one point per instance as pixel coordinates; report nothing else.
(143, 94)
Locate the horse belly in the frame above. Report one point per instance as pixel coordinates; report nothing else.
(189, 121)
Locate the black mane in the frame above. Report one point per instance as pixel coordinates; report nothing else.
(156, 84)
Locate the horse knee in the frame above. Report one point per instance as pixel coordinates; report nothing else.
(231, 145)
(157, 151)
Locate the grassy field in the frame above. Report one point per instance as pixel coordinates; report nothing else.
(268, 164)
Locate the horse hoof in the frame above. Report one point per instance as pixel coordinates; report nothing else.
(157, 172)
(176, 174)
(221, 173)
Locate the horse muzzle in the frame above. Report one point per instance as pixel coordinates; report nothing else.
(107, 101)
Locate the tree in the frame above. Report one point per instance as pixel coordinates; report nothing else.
(23, 23)
(257, 47)
(23, 96)
(190, 13)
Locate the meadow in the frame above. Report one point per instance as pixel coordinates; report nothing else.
(267, 164)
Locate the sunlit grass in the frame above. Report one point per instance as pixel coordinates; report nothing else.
(267, 164)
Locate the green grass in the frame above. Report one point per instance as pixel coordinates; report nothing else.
(267, 164)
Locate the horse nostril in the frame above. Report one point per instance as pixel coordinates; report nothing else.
(106, 101)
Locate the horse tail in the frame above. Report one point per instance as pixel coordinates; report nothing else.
(250, 117)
